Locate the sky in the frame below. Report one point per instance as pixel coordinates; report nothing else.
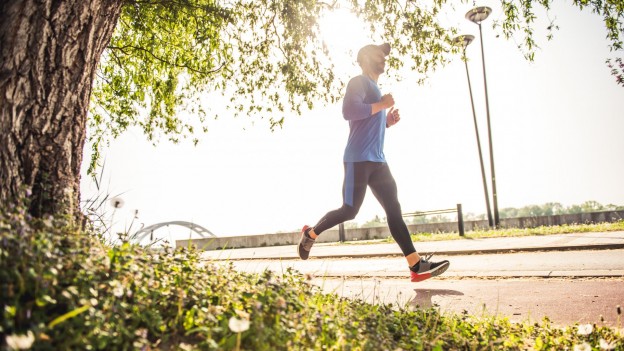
(557, 131)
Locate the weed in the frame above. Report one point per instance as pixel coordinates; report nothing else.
(62, 288)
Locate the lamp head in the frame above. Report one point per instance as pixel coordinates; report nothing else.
(478, 14)
(463, 40)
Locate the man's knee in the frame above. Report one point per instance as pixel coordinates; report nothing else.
(349, 212)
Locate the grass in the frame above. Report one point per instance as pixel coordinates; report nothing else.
(518, 232)
(62, 288)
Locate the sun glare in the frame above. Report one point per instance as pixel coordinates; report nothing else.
(343, 34)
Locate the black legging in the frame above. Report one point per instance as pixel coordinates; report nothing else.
(359, 175)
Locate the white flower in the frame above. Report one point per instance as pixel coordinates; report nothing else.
(582, 347)
(117, 202)
(20, 342)
(186, 347)
(585, 329)
(118, 289)
(238, 325)
(605, 345)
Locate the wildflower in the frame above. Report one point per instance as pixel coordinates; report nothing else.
(20, 342)
(216, 309)
(238, 325)
(142, 333)
(582, 347)
(280, 302)
(585, 329)
(118, 290)
(185, 347)
(242, 314)
(117, 202)
(605, 345)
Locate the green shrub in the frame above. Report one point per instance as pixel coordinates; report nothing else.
(68, 290)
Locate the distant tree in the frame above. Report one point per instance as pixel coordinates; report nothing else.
(416, 220)
(530, 211)
(574, 209)
(508, 212)
(375, 222)
(591, 206)
(612, 207)
(552, 208)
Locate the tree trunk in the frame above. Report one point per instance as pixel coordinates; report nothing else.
(49, 53)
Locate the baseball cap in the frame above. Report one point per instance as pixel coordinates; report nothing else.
(385, 48)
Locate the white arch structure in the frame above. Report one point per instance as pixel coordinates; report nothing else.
(203, 232)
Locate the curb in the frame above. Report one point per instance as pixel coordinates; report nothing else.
(489, 275)
(440, 253)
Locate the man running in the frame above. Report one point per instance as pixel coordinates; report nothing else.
(365, 164)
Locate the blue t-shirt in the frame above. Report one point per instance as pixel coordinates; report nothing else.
(366, 131)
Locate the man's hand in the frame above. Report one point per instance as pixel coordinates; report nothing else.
(387, 101)
(392, 117)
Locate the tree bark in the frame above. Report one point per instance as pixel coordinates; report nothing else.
(49, 53)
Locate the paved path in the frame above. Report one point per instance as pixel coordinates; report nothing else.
(570, 278)
(580, 241)
(566, 286)
(565, 301)
(547, 264)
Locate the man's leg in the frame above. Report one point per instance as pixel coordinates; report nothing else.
(353, 191)
(384, 188)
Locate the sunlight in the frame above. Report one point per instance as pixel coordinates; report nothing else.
(343, 34)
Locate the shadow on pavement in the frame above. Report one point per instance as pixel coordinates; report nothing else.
(423, 296)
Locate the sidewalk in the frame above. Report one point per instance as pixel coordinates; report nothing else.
(560, 242)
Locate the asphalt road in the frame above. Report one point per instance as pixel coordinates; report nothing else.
(566, 286)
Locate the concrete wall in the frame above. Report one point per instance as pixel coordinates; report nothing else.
(383, 232)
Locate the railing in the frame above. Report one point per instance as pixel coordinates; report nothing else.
(149, 230)
(460, 219)
(460, 216)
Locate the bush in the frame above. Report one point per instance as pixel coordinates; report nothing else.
(63, 289)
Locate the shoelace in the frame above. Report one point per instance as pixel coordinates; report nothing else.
(430, 255)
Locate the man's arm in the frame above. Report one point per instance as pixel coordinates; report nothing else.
(353, 106)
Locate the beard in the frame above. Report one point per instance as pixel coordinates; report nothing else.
(379, 68)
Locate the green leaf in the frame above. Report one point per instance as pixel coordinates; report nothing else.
(68, 315)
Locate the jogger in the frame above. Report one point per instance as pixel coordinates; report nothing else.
(365, 163)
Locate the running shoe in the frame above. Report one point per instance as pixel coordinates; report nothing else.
(429, 269)
(305, 244)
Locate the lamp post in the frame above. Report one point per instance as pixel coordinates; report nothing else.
(464, 41)
(477, 15)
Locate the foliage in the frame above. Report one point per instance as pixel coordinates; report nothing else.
(519, 17)
(172, 64)
(260, 58)
(617, 69)
(63, 289)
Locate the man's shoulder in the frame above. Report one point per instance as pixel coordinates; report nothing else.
(360, 82)
(359, 79)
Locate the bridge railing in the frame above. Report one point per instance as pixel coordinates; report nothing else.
(458, 209)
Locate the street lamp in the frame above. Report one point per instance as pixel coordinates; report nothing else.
(464, 41)
(477, 15)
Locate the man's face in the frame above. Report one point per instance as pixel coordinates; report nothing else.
(376, 61)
